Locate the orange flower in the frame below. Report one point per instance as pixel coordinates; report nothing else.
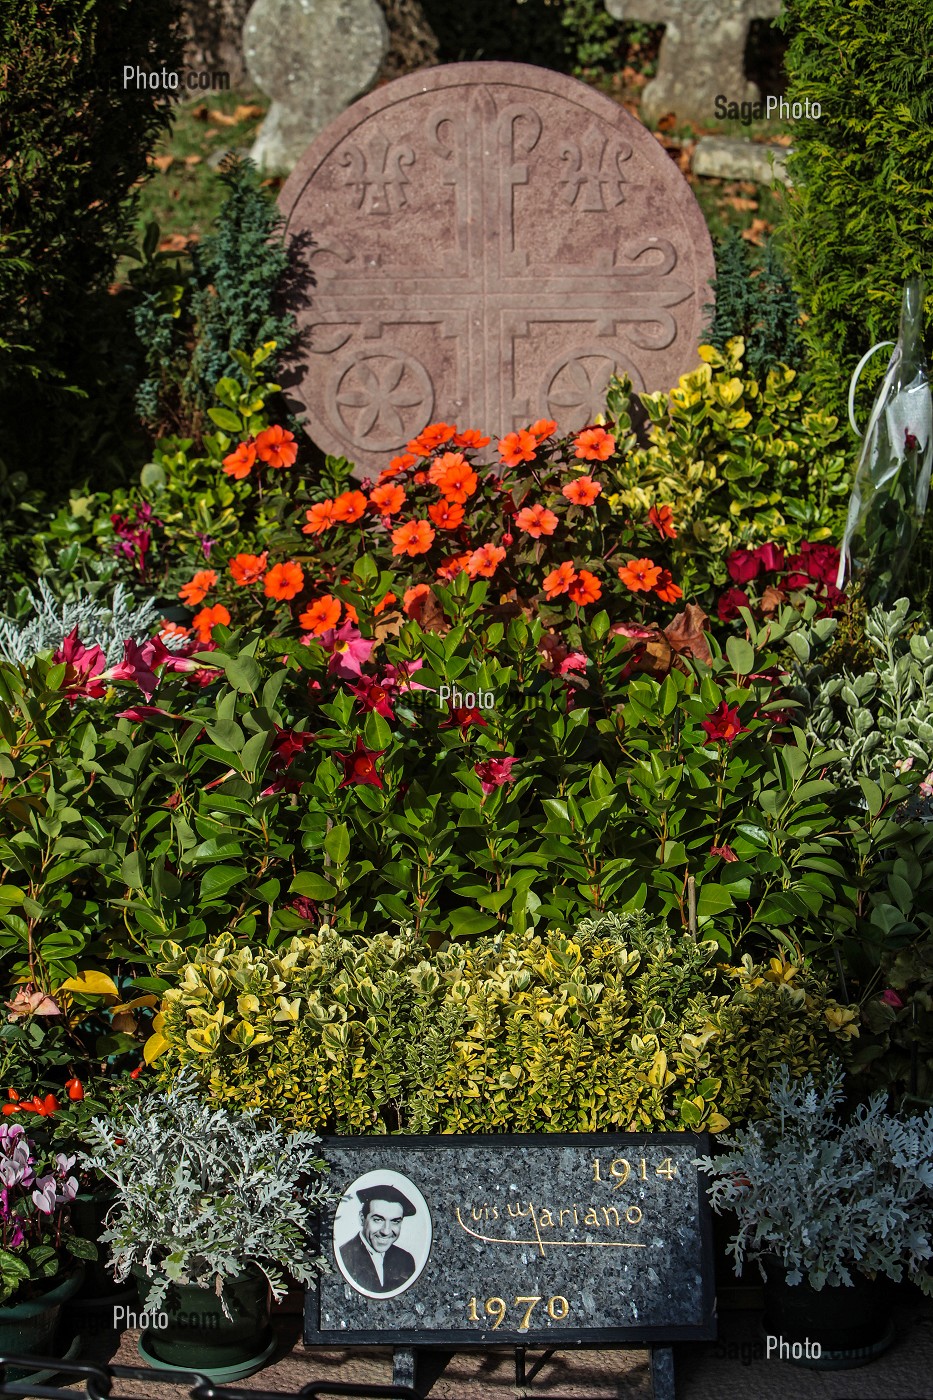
(442, 465)
(483, 562)
(583, 491)
(536, 521)
(239, 463)
(559, 580)
(388, 500)
(666, 589)
(323, 614)
(640, 575)
(414, 537)
(453, 566)
(517, 447)
(662, 518)
(412, 595)
(471, 437)
(420, 478)
(594, 445)
(320, 518)
(207, 619)
(435, 435)
(398, 464)
(454, 477)
(384, 603)
(585, 588)
(543, 428)
(284, 580)
(349, 507)
(277, 446)
(198, 588)
(446, 515)
(351, 614)
(169, 630)
(249, 568)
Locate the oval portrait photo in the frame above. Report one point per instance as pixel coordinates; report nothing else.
(382, 1234)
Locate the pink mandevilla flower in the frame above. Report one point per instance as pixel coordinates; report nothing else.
(349, 651)
(495, 773)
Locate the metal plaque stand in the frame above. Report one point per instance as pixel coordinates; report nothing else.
(417, 1368)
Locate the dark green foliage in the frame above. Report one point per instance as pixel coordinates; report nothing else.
(860, 215)
(756, 302)
(74, 145)
(190, 320)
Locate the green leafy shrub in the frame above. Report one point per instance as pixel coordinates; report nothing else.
(195, 320)
(859, 217)
(615, 1026)
(742, 462)
(75, 144)
(755, 300)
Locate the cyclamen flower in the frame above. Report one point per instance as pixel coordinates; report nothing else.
(495, 773)
(360, 766)
(277, 446)
(723, 725)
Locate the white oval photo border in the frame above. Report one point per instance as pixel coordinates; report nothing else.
(349, 1209)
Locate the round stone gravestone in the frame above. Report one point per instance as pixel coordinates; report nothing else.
(491, 242)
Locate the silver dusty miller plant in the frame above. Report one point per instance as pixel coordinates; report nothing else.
(883, 718)
(826, 1197)
(107, 625)
(203, 1193)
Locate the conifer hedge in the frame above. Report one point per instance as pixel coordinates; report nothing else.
(860, 215)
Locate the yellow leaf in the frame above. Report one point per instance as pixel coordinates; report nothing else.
(150, 999)
(95, 984)
(155, 1046)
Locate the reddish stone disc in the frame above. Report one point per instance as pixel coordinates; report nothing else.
(491, 241)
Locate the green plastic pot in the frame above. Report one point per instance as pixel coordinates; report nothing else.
(198, 1336)
(30, 1326)
(850, 1325)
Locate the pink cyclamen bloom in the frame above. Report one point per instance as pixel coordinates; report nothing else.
(83, 667)
(495, 773)
(349, 651)
(44, 1194)
(891, 998)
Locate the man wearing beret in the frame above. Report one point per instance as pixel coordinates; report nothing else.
(372, 1258)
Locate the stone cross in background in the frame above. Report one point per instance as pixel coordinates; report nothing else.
(313, 58)
(702, 53)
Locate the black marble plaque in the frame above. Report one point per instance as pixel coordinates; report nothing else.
(554, 1239)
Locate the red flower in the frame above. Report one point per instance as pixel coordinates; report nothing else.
(360, 767)
(662, 518)
(743, 565)
(462, 716)
(495, 773)
(723, 725)
(284, 581)
(594, 445)
(373, 696)
(287, 745)
(83, 666)
(277, 446)
(517, 447)
(135, 1073)
(483, 562)
(725, 853)
(666, 589)
(585, 588)
(727, 609)
(413, 600)
(772, 557)
(239, 463)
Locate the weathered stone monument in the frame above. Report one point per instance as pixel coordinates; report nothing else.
(312, 57)
(702, 52)
(491, 242)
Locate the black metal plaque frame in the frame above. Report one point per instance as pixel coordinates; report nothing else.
(463, 1339)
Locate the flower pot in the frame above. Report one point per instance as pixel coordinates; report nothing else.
(88, 1212)
(31, 1326)
(194, 1334)
(847, 1326)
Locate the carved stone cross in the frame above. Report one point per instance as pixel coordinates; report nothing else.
(702, 53)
